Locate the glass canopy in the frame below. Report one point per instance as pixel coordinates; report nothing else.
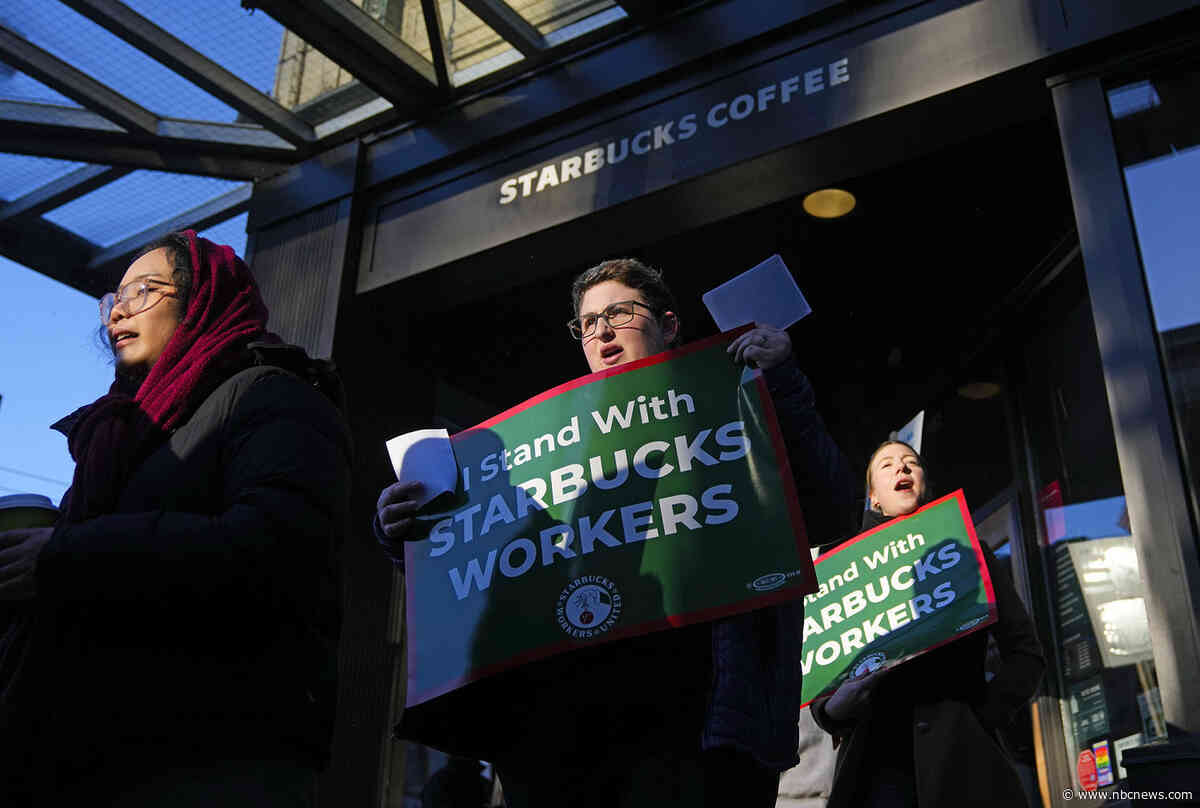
(97, 95)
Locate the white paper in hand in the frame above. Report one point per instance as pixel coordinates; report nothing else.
(765, 294)
(425, 456)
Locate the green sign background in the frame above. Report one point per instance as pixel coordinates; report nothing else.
(895, 592)
(718, 533)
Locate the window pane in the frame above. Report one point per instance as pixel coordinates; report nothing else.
(1100, 647)
(136, 202)
(88, 47)
(549, 16)
(20, 174)
(473, 49)
(248, 44)
(403, 18)
(1158, 140)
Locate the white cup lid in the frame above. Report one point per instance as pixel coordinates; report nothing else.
(27, 501)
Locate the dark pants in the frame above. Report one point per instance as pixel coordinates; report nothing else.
(609, 758)
(701, 780)
(228, 783)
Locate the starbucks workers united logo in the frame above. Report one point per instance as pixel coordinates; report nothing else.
(589, 606)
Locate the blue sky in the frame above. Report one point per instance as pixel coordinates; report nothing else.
(1165, 195)
(51, 363)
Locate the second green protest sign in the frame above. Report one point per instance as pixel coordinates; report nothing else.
(653, 495)
(894, 592)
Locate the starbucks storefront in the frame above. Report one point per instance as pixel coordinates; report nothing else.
(1018, 269)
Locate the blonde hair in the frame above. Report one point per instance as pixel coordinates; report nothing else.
(916, 454)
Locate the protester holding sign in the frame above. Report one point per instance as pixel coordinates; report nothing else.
(923, 733)
(700, 715)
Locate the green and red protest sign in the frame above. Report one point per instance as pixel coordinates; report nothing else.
(895, 592)
(652, 495)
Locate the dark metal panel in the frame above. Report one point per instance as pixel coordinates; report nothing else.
(678, 41)
(645, 11)
(196, 68)
(851, 151)
(298, 265)
(111, 262)
(582, 82)
(51, 250)
(74, 84)
(509, 24)
(61, 191)
(1138, 397)
(309, 185)
(372, 53)
(1087, 20)
(807, 91)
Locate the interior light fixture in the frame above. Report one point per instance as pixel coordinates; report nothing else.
(979, 390)
(829, 203)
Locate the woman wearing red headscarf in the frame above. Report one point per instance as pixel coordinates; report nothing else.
(172, 640)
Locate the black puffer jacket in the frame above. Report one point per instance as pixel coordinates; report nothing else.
(931, 730)
(201, 617)
(731, 683)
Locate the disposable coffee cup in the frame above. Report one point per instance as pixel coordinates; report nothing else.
(27, 510)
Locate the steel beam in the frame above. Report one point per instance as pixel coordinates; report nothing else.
(200, 148)
(61, 191)
(29, 113)
(195, 67)
(644, 11)
(432, 12)
(506, 22)
(373, 54)
(74, 84)
(51, 250)
(111, 262)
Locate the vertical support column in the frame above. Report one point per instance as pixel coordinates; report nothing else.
(304, 231)
(1138, 397)
(299, 264)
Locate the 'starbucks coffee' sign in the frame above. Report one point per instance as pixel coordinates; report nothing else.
(632, 500)
(893, 593)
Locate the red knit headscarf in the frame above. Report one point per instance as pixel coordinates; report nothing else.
(113, 435)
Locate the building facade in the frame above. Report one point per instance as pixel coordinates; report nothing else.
(1020, 267)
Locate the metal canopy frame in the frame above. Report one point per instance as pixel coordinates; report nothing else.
(147, 37)
(373, 54)
(114, 135)
(501, 18)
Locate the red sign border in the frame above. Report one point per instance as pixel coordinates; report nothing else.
(984, 574)
(807, 585)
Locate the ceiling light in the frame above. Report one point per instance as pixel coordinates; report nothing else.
(829, 203)
(979, 391)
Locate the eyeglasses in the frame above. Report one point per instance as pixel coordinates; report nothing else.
(134, 297)
(615, 314)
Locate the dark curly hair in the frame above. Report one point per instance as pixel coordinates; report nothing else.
(634, 274)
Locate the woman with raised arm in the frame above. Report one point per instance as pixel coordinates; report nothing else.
(924, 734)
(174, 640)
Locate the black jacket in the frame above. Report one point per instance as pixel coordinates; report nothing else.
(733, 682)
(933, 720)
(201, 617)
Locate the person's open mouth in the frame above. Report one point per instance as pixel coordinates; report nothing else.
(611, 354)
(904, 485)
(120, 338)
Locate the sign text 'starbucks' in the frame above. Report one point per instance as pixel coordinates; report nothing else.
(624, 502)
(893, 593)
